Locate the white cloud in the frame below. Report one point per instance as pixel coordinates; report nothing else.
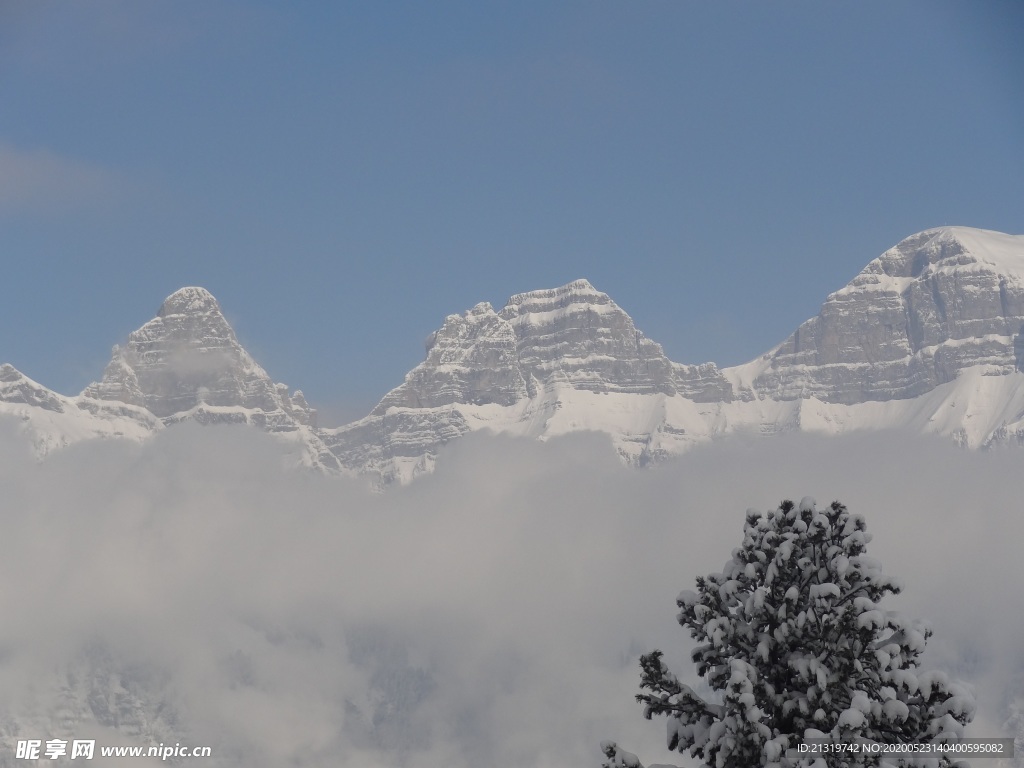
(39, 179)
(489, 615)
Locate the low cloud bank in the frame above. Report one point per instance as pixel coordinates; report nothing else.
(489, 615)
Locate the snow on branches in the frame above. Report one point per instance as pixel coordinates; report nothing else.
(792, 638)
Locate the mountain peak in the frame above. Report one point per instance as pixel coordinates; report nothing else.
(577, 292)
(542, 347)
(187, 301)
(952, 248)
(1002, 251)
(935, 304)
(187, 363)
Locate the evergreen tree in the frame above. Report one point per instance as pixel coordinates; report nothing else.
(792, 639)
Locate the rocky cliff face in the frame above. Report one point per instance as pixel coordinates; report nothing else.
(472, 358)
(939, 302)
(519, 365)
(183, 365)
(573, 334)
(187, 359)
(578, 335)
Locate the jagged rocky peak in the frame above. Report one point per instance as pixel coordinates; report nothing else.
(938, 302)
(187, 360)
(577, 334)
(190, 301)
(573, 335)
(531, 354)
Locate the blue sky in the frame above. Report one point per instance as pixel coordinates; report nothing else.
(342, 176)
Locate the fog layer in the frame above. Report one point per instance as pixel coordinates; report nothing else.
(492, 614)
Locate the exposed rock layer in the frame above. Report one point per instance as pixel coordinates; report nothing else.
(937, 303)
(573, 337)
(188, 357)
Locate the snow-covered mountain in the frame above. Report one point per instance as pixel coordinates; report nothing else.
(927, 337)
(937, 304)
(187, 363)
(183, 365)
(548, 354)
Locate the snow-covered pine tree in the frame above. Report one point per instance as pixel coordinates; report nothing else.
(792, 638)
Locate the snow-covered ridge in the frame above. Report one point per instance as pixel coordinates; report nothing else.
(53, 421)
(1003, 252)
(928, 337)
(538, 306)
